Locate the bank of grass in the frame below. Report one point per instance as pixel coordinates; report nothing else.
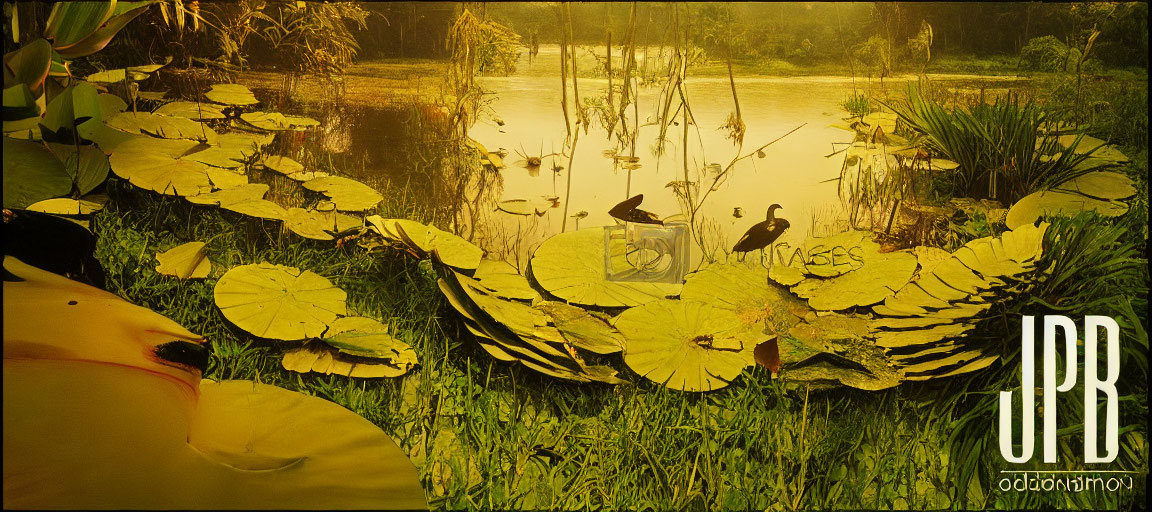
(486, 435)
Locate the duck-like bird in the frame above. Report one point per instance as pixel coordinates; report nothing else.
(628, 211)
(762, 234)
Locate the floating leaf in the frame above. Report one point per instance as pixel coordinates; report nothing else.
(277, 121)
(278, 302)
(879, 276)
(688, 345)
(320, 358)
(116, 75)
(224, 178)
(32, 174)
(232, 149)
(746, 291)
(368, 338)
(196, 111)
(582, 329)
(153, 164)
(1033, 206)
(316, 225)
(283, 164)
(66, 206)
(186, 261)
(157, 125)
(303, 176)
(450, 249)
(928, 257)
(1101, 185)
(348, 194)
(571, 266)
(231, 94)
(499, 278)
(521, 207)
(786, 275)
(245, 199)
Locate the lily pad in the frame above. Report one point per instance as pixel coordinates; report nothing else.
(880, 275)
(316, 225)
(279, 302)
(571, 266)
(582, 329)
(786, 275)
(32, 174)
(283, 164)
(1101, 185)
(348, 194)
(66, 206)
(166, 127)
(499, 278)
(746, 291)
(225, 178)
(245, 199)
(151, 164)
(449, 249)
(320, 358)
(232, 149)
(928, 257)
(231, 94)
(368, 338)
(688, 345)
(1033, 206)
(110, 105)
(521, 207)
(196, 111)
(277, 121)
(186, 261)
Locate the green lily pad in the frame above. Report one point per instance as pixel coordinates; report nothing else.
(167, 127)
(582, 329)
(283, 165)
(499, 278)
(152, 164)
(32, 174)
(278, 302)
(368, 338)
(277, 121)
(348, 194)
(571, 266)
(192, 110)
(521, 207)
(245, 199)
(1101, 185)
(1033, 206)
(746, 291)
(225, 178)
(87, 165)
(316, 225)
(185, 261)
(232, 149)
(231, 94)
(66, 206)
(880, 275)
(688, 345)
(786, 275)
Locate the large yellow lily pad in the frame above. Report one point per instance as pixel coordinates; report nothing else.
(316, 225)
(279, 302)
(348, 194)
(185, 261)
(231, 94)
(154, 164)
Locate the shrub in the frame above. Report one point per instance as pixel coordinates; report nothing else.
(1047, 54)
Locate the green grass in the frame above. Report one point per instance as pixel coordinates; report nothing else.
(486, 435)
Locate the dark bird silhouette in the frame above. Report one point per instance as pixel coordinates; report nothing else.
(762, 233)
(627, 211)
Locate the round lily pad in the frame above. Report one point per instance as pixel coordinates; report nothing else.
(746, 291)
(185, 261)
(277, 121)
(197, 111)
(880, 275)
(688, 345)
(521, 207)
(225, 178)
(571, 266)
(283, 165)
(231, 94)
(153, 164)
(348, 194)
(162, 126)
(582, 328)
(316, 225)
(1058, 203)
(449, 249)
(1101, 185)
(245, 199)
(501, 279)
(838, 254)
(231, 149)
(278, 302)
(66, 206)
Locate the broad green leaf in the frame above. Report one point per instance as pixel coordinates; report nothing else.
(19, 104)
(278, 302)
(244, 199)
(149, 163)
(197, 111)
(316, 225)
(96, 40)
(499, 278)
(1101, 185)
(29, 66)
(231, 94)
(368, 338)
(746, 291)
(447, 248)
(283, 165)
(185, 261)
(110, 105)
(1033, 206)
(348, 194)
(225, 178)
(162, 126)
(70, 22)
(879, 276)
(232, 149)
(571, 266)
(32, 174)
(87, 165)
(688, 345)
(76, 106)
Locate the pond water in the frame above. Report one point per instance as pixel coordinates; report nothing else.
(526, 120)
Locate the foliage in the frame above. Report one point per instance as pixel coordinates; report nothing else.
(874, 54)
(1047, 53)
(857, 105)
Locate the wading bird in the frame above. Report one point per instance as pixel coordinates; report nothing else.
(762, 234)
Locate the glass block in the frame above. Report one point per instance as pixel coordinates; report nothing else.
(648, 253)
